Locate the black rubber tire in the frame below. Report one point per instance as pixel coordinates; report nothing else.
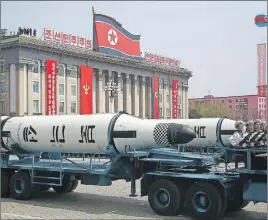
(74, 185)
(174, 198)
(27, 192)
(236, 204)
(216, 201)
(64, 188)
(5, 188)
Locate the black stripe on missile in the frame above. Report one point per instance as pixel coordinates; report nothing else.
(227, 132)
(124, 134)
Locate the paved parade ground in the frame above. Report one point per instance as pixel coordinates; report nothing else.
(95, 202)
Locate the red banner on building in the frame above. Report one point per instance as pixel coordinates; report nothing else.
(261, 54)
(51, 87)
(86, 94)
(155, 98)
(175, 98)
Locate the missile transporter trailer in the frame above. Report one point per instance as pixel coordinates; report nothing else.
(175, 182)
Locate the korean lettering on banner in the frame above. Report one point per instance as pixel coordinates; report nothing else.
(65, 38)
(175, 103)
(57, 37)
(74, 41)
(48, 35)
(152, 58)
(157, 59)
(167, 61)
(51, 87)
(88, 44)
(82, 42)
(147, 57)
(162, 59)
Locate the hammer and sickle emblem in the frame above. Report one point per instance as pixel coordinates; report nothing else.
(156, 95)
(86, 87)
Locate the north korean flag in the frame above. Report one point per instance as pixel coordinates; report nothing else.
(261, 20)
(111, 38)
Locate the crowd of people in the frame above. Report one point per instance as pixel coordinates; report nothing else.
(27, 31)
(249, 134)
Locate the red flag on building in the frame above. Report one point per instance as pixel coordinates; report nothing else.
(86, 94)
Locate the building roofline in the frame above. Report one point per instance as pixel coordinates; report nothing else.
(221, 97)
(35, 43)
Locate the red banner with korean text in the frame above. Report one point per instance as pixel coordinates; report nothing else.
(155, 98)
(261, 54)
(51, 87)
(86, 94)
(175, 98)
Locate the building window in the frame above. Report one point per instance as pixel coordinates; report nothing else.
(3, 107)
(61, 89)
(167, 112)
(61, 70)
(2, 66)
(167, 99)
(73, 107)
(161, 112)
(61, 107)
(3, 86)
(35, 87)
(36, 67)
(73, 90)
(160, 98)
(35, 106)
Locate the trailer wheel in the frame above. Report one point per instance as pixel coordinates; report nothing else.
(5, 189)
(164, 197)
(64, 188)
(20, 186)
(74, 185)
(203, 201)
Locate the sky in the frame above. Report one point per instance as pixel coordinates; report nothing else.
(217, 41)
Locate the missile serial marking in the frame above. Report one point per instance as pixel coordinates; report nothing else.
(27, 131)
(200, 131)
(55, 133)
(85, 134)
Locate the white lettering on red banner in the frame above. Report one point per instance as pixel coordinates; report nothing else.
(175, 99)
(153, 58)
(67, 39)
(51, 88)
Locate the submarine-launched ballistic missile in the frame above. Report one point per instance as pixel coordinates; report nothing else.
(90, 133)
(207, 130)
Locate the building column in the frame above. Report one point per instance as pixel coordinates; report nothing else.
(120, 88)
(101, 95)
(127, 93)
(94, 87)
(141, 96)
(111, 100)
(137, 95)
(186, 103)
(148, 97)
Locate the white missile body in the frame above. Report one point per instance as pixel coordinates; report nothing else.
(207, 130)
(88, 133)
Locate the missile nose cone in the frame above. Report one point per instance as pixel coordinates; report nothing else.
(180, 134)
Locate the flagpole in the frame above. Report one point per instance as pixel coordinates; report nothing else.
(95, 42)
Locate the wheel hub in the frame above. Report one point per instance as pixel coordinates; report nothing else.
(162, 197)
(19, 185)
(201, 201)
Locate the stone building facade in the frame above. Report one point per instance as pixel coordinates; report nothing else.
(23, 80)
